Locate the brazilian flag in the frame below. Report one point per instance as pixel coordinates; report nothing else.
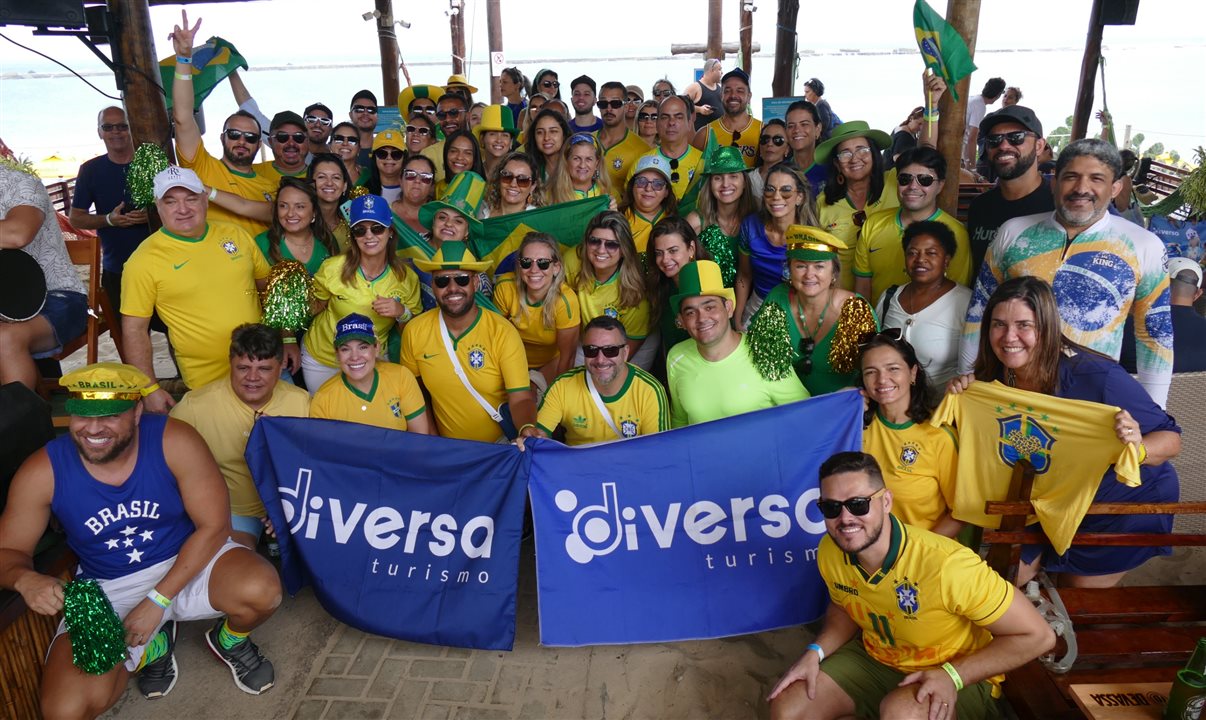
(212, 62)
(942, 47)
(500, 236)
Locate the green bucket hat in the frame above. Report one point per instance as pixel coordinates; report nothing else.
(723, 160)
(453, 255)
(464, 195)
(847, 131)
(812, 244)
(701, 277)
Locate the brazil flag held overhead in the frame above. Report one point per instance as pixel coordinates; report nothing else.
(212, 62)
(942, 46)
(500, 236)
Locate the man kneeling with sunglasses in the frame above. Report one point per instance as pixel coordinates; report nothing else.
(607, 399)
(939, 627)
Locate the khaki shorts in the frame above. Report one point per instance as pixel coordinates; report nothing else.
(868, 682)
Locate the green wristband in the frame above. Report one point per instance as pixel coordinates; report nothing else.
(950, 670)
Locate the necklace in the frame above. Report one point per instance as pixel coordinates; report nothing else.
(820, 320)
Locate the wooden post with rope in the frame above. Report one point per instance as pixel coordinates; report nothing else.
(494, 33)
(146, 108)
(786, 38)
(388, 40)
(456, 22)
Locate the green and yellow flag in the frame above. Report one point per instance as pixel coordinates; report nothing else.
(212, 62)
(942, 47)
(500, 236)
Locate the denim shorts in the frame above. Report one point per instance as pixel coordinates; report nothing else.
(67, 313)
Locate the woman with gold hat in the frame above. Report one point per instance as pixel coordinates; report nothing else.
(724, 201)
(808, 324)
(495, 135)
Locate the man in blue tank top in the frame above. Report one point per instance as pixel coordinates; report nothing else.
(146, 511)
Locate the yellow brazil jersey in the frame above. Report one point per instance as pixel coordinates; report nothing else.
(604, 299)
(539, 342)
(225, 422)
(491, 353)
(268, 169)
(203, 288)
(683, 168)
(746, 140)
(393, 399)
(250, 185)
(621, 157)
(639, 408)
(355, 297)
(840, 220)
(642, 228)
(879, 255)
(919, 464)
(928, 604)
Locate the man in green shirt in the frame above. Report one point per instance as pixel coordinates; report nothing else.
(712, 375)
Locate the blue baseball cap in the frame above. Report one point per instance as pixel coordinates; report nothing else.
(354, 327)
(370, 207)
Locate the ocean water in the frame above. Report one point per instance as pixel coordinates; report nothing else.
(41, 116)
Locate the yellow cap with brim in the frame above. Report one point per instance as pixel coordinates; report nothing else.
(102, 389)
(812, 244)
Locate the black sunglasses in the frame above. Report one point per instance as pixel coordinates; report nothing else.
(858, 506)
(778, 140)
(804, 364)
(674, 170)
(736, 138)
(442, 281)
(609, 244)
(417, 129)
(283, 137)
(613, 104)
(364, 109)
(363, 229)
(235, 135)
(859, 218)
(521, 181)
(609, 351)
(647, 117)
(383, 153)
(542, 263)
(657, 184)
(110, 127)
(906, 179)
(549, 83)
(454, 114)
(1015, 138)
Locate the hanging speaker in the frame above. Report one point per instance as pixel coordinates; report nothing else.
(43, 13)
(1119, 12)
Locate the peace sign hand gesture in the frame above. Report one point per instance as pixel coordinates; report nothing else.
(182, 37)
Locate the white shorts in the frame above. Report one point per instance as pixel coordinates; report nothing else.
(191, 603)
(315, 372)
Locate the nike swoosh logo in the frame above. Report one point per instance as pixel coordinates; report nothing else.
(875, 249)
(428, 357)
(177, 267)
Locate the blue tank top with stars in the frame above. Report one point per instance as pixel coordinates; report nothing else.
(118, 530)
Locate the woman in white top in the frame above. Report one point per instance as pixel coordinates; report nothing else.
(931, 307)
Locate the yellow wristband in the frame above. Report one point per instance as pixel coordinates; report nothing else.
(950, 670)
(525, 426)
(183, 77)
(149, 389)
(289, 340)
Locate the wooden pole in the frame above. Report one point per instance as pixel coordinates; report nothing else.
(134, 44)
(715, 48)
(494, 31)
(964, 16)
(456, 22)
(388, 40)
(785, 49)
(746, 35)
(1088, 74)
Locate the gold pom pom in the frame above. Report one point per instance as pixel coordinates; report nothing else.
(856, 319)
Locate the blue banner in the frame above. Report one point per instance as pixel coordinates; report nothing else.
(702, 532)
(403, 535)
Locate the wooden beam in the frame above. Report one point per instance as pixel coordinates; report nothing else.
(786, 38)
(702, 49)
(387, 39)
(494, 31)
(964, 16)
(1088, 74)
(745, 32)
(715, 48)
(456, 22)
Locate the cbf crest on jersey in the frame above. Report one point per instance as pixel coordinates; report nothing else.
(1023, 438)
(477, 357)
(907, 598)
(910, 452)
(230, 247)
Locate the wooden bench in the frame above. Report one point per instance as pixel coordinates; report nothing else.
(1121, 634)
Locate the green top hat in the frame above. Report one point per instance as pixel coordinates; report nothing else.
(723, 160)
(701, 277)
(464, 195)
(812, 244)
(453, 255)
(847, 131)
(495, 118)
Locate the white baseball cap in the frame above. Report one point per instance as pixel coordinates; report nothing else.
(175, 176)
(1179, 265)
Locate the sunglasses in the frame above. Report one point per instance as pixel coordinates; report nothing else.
(317, 120)
(848, 155)
(612, 245)
(363, 229)
(804, 364)
(520, 181)
(858, 506)
(889, 333)
(425, 109)
(419, 130)
(736, 139)
(777, 140)
(443, 281)
(283, 137)
(383, 153)
(906, 179)
(647, 117)
(613, 104)
(424, 177)
(859, 218)
(656, 183)
(662, 93)
(443, 114)
(550, 84)
(542, 263)
(236, 135)
(609, 351)
(1015, 138)
(110, 127)
(785, 190)
(361, 109)
(346, 139)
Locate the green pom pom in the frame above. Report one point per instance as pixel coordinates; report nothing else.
(149, 160)
(770, 343)
(98, 638)
(287, 297)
